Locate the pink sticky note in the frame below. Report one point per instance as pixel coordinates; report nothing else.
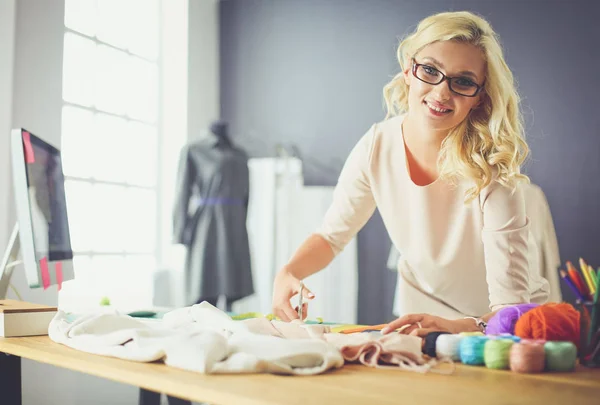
(45, 272)
(59, 275)
(29, 156)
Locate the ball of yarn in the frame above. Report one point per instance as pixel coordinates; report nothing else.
(448, 346)
(471, 349)
(527, 356)
(505, 319)
(558, 322)
(496, 353)
(429, 343)
(560, 356)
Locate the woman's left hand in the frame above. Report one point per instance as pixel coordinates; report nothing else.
(422, 324)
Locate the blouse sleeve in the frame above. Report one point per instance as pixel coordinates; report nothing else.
(505, 238)
(353, 203)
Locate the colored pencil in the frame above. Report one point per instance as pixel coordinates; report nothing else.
(595, 315)
(567, 280)
(577, 279)
(587, 276)
(593, 276)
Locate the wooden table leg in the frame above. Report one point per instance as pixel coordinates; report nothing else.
(10, 379)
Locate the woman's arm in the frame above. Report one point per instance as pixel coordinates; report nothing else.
(314, 254)
(505, 237)
(422, 324)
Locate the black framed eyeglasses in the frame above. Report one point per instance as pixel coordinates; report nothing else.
(459, 85)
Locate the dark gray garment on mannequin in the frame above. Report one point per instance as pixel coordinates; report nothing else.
(210, 219)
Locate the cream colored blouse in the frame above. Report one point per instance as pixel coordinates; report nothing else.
(456, 259)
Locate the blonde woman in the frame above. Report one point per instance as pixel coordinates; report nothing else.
(443, 169)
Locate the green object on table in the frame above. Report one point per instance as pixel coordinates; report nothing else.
(246, 315)
(105, 301)
(560, 356)
(143, 314)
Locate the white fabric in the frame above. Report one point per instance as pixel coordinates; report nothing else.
(204, 339)
(282, 213)
(463, 259)
(200, 338)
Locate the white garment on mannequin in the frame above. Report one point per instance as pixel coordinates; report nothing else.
(544, 234)
(282, 213)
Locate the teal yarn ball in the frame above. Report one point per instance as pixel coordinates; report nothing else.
(496, 353)
(560, 356)
(471, 350)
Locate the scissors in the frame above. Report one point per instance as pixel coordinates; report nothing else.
(300, 300)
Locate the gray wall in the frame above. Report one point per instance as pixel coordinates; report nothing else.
(311, 73)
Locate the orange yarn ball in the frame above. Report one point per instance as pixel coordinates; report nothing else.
(558, 322)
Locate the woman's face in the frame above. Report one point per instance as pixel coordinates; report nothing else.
(437, 106)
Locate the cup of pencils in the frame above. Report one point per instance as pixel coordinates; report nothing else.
(585, 284)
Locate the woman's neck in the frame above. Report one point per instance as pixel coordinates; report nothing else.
(423, 142)
(422, 148)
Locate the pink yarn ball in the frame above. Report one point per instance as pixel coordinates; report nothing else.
(528, 356)
(504, 321)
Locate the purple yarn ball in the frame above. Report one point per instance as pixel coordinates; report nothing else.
(504, 321)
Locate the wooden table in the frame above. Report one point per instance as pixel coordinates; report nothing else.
(353, 384)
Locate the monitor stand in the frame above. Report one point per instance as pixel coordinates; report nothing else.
(9, 261)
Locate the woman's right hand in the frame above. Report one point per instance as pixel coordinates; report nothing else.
(285, 287)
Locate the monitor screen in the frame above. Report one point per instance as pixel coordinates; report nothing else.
(46, 192)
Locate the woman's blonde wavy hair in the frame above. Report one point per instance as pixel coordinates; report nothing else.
(489, 144)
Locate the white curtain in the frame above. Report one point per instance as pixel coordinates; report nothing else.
(7, 46)
(282, 213)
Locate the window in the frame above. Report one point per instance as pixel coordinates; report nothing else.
(110, 143)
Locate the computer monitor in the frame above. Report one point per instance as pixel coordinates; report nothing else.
(41, 234)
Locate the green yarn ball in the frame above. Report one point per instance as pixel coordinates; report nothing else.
(496, 353)
(560, 356)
